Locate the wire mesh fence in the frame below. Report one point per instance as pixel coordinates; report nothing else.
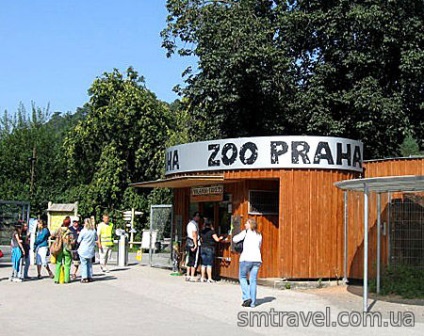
(407, 230)
(10, 213)
(160, 241)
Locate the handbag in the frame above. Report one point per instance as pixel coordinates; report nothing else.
(189, 243)
(238, 247)
(57, 245)
(1, 254)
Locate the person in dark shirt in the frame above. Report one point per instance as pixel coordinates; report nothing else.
(209, 238)
(26, 236)
(75, 229)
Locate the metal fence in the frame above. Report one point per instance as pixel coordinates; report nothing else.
(407, 230)
(10, 213)
(160, 235)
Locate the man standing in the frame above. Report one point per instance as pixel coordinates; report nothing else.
(105, 241)
(75, 230)
(192, 246)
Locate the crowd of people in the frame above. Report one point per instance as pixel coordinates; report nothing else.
(203, 243)
(73, 245)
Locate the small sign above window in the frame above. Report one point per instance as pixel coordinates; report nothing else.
(214, 193)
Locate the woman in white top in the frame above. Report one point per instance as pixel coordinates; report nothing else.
(250, 261)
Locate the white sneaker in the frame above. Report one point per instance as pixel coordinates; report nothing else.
(17, 280)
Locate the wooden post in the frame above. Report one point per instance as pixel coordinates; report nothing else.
(32, 159)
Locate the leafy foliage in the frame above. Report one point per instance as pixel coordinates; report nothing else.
(402, 280)
(20, 135)
(409, 146)
(121, 140)
(336, 68)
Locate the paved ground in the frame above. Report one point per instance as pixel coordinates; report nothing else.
(140, 300)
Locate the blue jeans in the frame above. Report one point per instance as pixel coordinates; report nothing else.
(249, 291)
(208, 255)
(86, 268)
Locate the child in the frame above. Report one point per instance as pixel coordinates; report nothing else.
(176, 257)
(18, 252)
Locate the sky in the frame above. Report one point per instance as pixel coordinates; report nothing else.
(51, 51)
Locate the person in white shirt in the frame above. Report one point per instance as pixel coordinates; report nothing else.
(192, 246)
(250, 261)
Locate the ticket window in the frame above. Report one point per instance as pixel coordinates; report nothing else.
(219, 213)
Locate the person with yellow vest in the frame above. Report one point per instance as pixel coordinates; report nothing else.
(105, 241)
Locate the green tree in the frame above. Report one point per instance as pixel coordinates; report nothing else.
(409, 146)
(234, 93)
(120, 141)
(179, 124)
(22, 134)
(342, 68)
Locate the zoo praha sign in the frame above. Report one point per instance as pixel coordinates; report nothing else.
(303, 152)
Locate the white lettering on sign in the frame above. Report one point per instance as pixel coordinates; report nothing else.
(266, 153)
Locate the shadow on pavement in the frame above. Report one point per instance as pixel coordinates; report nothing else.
(103, 278)
(265, 300)
(119, 269)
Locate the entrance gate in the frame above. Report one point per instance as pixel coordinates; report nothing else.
(10, 213)
(160, 236)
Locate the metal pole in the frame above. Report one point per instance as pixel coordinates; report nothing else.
(389, 202)
(151, 237)
(172, 232)
(378, 240)
(132, 226)
(28, 212)
(345, 281)
(365, 293)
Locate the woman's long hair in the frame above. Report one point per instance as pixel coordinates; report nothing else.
(89, 223)
(253, 225)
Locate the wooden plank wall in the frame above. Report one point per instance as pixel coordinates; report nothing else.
(306, 240)
(311, 223)
(378, 168)
(268, 225)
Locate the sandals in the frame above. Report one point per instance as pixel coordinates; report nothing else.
(73, 276)
(84, 280)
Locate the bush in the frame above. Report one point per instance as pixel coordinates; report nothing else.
(402, 280)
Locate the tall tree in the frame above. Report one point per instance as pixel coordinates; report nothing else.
(32, 166)
(343, 68)
(121, 140)
(234, 93)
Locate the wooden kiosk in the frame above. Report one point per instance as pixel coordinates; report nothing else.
(285, 182)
